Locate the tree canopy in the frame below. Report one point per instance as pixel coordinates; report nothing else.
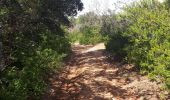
(32, 42)
(27, 19)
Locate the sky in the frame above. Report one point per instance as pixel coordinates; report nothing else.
(104, 5)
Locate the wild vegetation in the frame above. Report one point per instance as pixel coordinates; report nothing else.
(32, 43)
(138, 35)
(144, 39)
(36, 36)
(87, 29)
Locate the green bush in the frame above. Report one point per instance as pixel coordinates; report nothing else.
(148, 35)
(86, 35)
(117, 41)
(74, 36)
(32, 44)
(151, 42)
(90, 35)
(116, 45)
(26, 78)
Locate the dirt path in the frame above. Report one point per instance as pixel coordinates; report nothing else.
(90, 76)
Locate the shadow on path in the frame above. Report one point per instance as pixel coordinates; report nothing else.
(89, 75)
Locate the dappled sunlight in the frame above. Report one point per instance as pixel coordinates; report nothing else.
(97, 47)
(90, 76)
(84, 50)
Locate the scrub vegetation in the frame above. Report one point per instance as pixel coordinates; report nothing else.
(36, 37)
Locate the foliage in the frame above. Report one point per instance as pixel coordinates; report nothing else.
(32, 43)
(29, 18)
(26, 79)
(87, 30)
(86, 35)
(90, 35)
(150, 47)
(90, 19)
(148, 38)
(74, 36)
(114, 26)
(116, 45)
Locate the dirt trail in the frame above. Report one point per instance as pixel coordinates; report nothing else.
(89, 75)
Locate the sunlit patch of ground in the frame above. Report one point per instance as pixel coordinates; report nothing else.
(89, 75)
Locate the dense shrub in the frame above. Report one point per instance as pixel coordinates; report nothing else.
(114, 27)
(151, 42)
(148, 35)
(74, 36)
(26, 79)
(116, 45)
(32, 44)
(86, 35)
(90, 35)
(87, 29)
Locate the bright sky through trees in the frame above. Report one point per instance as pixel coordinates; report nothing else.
(104, 5)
